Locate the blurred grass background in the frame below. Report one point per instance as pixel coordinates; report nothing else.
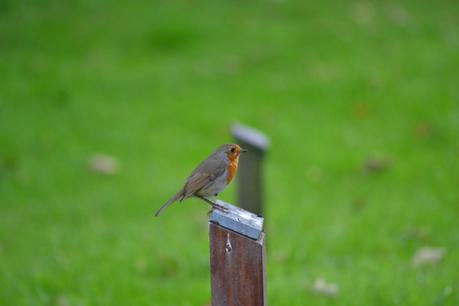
(359, 98)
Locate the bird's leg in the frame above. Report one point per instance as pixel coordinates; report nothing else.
(214, 205)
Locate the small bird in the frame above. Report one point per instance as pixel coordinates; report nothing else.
(210, 177)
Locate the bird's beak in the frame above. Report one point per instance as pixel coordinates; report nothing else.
(244, 150)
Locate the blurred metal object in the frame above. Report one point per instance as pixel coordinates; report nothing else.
(237, 257)
(250, 173)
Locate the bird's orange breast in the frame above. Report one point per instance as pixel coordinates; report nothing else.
(232, 169)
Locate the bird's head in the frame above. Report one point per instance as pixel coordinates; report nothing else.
(232, 151)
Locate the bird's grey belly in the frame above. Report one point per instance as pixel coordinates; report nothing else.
(214, 187)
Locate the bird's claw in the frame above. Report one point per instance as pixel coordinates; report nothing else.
(219, 207)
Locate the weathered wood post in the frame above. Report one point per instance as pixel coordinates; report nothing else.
(250, 170)
(237, 257)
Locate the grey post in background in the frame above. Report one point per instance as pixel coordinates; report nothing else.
(250, 170)
(237, 257)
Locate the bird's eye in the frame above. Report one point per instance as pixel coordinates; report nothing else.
(233, 150)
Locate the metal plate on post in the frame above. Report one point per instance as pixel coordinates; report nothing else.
(238, 220)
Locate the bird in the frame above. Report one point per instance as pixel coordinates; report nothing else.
(210, 177)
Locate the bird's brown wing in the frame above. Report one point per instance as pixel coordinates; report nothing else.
(205, 173)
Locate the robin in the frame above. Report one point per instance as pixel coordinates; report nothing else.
(210, 177)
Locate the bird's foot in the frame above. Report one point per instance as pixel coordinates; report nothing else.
(219, 207)
(214, 205)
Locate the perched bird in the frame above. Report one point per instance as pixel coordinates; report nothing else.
(210, 177)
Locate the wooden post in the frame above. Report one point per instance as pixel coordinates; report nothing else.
(237, 257)
(250, 170)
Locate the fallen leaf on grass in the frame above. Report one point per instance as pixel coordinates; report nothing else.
(280, 256)
(104, 164)
(399, 16)
(375, 165)
(62, 301)
(363, 13)
(8, 165)
(361, 109)
(168, 266)
(322, 287)
(423, 130)
(324, 72)
(358, 204)
(141, 265)
(315, 174)
(416, 233)
(428, 256)
(232, 66)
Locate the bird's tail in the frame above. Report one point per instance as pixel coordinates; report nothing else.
(178, 196)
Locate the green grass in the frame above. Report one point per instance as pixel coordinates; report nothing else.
(157, 84)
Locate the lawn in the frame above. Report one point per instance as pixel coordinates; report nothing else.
(360, 101)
